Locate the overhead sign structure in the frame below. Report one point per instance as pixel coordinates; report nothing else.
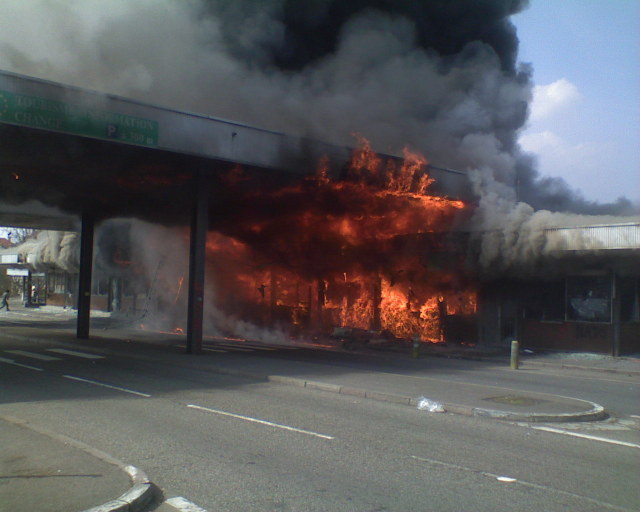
(36, 112)
(18, 272)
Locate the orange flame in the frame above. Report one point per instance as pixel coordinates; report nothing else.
(354, 253)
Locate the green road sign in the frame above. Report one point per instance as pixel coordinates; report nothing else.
(58, 116)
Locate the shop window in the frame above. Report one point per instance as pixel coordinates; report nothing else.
(629, 293)
(589, 298)
(553, 306)
(100, 286)
(546, 302)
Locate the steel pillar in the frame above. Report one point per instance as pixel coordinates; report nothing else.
(84, 279)
(197, 253)
(615, 316)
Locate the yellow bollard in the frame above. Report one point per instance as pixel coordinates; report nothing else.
(515, 354)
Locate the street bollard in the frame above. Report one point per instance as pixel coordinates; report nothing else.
(415, 352)
(515, 346)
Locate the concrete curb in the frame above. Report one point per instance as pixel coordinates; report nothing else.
(595, 412)
(139, 496)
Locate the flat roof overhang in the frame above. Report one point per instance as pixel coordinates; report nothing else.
(78, 150)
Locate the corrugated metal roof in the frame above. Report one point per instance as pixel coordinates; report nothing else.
(588, 238)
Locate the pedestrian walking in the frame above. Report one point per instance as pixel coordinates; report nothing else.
(5, 300)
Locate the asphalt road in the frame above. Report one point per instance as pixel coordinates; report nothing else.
(230, 444)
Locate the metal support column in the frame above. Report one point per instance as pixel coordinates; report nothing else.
(615, 316)
(84, 279)
(197, 253)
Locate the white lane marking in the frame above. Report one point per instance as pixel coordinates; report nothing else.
(74, 353)
(518, 482)
(40, 357)
(250, 346)
(184, 505)
(214, 350)
(95, 383)
(262, 422)
(11, 361)
(258, 347)
(234, 347)
(586, 436)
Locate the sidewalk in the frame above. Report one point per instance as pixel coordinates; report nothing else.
(48, 472)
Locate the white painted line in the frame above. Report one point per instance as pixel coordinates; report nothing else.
(95, 383)
(11, 361)
(243, 346)
(234, 347)
(259, 347)
(214, 350)
(508, 479)
(262, 422)
(74, 353)
(184, 505)
(586, 436)
(40, 357)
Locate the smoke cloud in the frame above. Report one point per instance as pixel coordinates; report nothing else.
(442, 77)
(51, 249)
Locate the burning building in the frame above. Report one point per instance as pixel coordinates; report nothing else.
(302, 236)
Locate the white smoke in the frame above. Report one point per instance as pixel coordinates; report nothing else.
(161, 255)
(51, 250)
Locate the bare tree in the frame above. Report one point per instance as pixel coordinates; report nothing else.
(18, 235)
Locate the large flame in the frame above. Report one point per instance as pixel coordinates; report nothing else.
(362, 252)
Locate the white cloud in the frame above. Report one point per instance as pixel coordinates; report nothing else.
(540, 141)
(552, 98)
(586, 166)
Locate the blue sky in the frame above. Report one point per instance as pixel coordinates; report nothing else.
(585, 120)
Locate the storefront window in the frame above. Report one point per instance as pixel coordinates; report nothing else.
(553, 305)
(629, 291)
(545, 301)
(589, 298)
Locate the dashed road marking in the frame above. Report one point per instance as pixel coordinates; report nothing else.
(74, 353)
(110, 386)
(256, 347)
(234, 348)
(515, 481)
(11, 361)
(262, 422)
(223, 348)
(33, 355)
(585, 436)
(184, 505)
